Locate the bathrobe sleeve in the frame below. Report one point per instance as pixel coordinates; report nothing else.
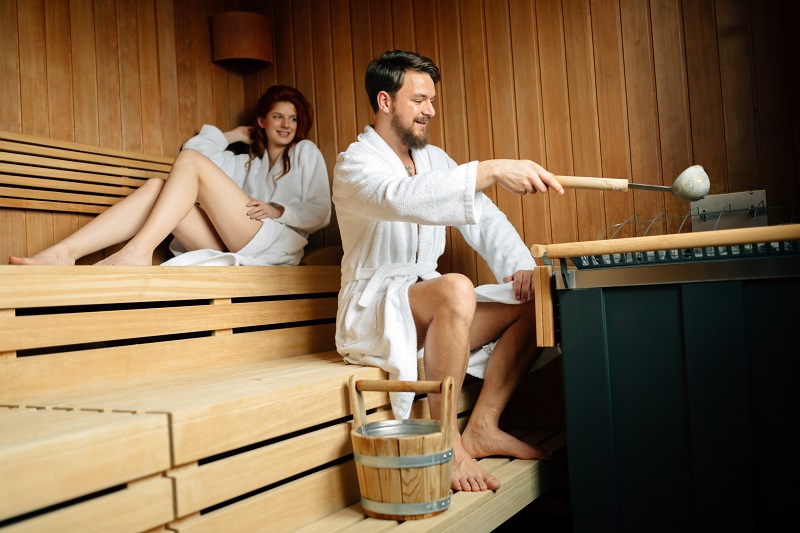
(312, 209)
(497, 241)
(211, 142)
(367, 187)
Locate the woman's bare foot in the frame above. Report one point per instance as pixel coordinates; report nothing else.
(55, 255)
(468, 475)
(127, 257)
(489, 441)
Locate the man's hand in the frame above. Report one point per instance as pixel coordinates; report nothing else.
(517, 176)
(523, 284)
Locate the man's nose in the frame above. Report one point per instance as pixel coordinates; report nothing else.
(428, 110)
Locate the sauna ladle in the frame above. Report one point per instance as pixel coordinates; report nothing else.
(692, 184)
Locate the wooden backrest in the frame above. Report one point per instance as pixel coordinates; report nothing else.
(67, 328)
(52, 175)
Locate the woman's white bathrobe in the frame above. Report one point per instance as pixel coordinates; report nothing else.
(304, 193)
(393, 232)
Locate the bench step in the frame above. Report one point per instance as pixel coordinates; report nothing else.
(141, 506)
(50, 456)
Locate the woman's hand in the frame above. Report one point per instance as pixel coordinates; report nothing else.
(240, 134)
(259, 210)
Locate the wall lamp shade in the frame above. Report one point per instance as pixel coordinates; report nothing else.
(241, 35)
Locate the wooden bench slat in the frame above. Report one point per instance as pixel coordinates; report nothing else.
(321, 494)
(68, 178)
(77, 166)
(71, 156)
(36, 182)
(27, 332)
(222, 430)
(49, 286)
(141, 506)
(63, 197)
(74, 459)
(30, 425)
(45, 378)
(84, 148)
(171, 394)
(37, 205)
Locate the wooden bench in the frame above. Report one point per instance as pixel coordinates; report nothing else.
(215, 386)
(204, 399)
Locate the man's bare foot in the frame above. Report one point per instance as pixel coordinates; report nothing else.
(468, 475)
(127, 257)
(54, 255)
(489, 441)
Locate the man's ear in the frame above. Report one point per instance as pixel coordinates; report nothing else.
(384, 102)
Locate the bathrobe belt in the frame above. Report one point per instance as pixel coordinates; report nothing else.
(377, 276)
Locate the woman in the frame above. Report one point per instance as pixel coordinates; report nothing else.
(222, 208)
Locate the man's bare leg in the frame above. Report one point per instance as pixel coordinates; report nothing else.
(513, 356)
(443, 310)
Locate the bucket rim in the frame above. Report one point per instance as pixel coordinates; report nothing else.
(386, 428)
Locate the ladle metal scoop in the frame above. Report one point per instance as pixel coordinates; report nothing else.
(692, 184)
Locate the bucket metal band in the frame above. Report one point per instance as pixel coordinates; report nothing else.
(405, 461)
(405, 509)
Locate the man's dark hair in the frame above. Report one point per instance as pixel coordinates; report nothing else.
(388, 72)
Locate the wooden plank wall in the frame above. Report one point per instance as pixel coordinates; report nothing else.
(638, 89)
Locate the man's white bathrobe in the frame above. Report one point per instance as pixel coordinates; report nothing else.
(304, 193)
(393, 233)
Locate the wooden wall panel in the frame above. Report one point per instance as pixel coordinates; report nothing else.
(478, 100)
(84, 72)
(736, 73)
(612, 112)
(168, 77)
(642, 113)
(361, 28)
(705, 91)
(637, 89)
(59, 69)
(149, 83)
(530, 115)
(325, 105)
(129, 74)
(502, 102)
(584, 129)
(11, 111)
(555, 102)
(33, 68)
(772, 45)
(108, 74)
(669, 58)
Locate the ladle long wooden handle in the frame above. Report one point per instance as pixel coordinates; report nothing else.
(603, 184)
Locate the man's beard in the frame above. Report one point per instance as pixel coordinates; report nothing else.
(407, 135)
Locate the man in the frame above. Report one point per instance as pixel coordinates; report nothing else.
(394, 194)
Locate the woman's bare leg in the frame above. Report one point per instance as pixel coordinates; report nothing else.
(116, 224)
(194, 178)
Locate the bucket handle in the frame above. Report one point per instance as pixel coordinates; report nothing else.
(445, 388)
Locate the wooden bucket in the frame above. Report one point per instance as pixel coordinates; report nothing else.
(403, 466)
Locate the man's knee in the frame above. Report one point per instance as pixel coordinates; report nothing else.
(457, 294)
